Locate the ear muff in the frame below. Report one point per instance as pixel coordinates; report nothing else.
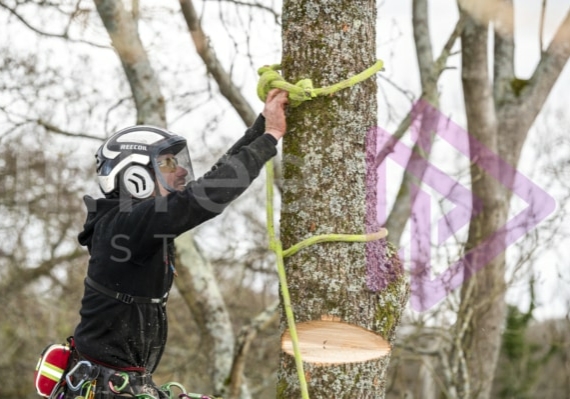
(138, 181)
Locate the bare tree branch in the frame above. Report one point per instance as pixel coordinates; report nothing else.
(54, 129)
(205, 300)
(440, 64)
(256, 4)
(227, 87)
(21, 277)
(214, 66)
(436, 70)
(63, 35)
(476, 83)
(122, 30)
(548, 70)
(422, 40)
(430, 73)
(46, 125)
(136, 11)
(518, 108)
(541, 27)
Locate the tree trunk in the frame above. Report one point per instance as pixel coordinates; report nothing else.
(482, 306)
(325, 191)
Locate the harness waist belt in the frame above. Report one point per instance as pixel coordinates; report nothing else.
(125, 298)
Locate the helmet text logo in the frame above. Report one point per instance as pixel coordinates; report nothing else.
(138, 147)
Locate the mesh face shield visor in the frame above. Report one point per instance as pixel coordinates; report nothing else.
(171, 163)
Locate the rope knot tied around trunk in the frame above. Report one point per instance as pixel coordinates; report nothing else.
(303, 90)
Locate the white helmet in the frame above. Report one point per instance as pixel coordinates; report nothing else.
(129, 161)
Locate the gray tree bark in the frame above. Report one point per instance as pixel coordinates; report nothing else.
(325, 191)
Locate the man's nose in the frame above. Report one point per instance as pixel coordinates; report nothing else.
(180, 171)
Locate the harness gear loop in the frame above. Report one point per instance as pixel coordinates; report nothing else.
(303, 90)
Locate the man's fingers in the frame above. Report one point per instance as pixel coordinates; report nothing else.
(272, 94)
(284, 97)
(277, 94)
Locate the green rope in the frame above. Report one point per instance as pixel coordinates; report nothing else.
(275, 245)
(303, 90)
(335, 237)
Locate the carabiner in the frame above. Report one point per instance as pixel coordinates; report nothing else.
(125, 382)
(85, 377)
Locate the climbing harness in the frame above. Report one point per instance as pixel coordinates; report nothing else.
(298, 93)
(303, 90)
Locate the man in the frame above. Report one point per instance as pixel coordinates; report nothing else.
(151, 197)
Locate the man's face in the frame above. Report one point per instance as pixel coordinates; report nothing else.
(174, 175)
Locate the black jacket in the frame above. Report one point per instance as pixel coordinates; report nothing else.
(130, 244)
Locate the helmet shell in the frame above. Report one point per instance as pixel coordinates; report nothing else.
(126, 160)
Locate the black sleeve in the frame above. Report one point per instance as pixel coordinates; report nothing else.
(232, 175)
(252, 133)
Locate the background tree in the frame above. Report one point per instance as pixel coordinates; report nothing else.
(499, 115)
